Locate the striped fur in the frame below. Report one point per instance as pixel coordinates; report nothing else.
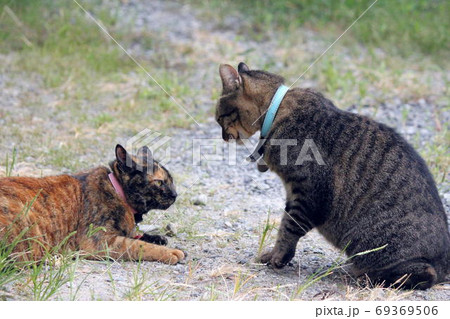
(374, 189)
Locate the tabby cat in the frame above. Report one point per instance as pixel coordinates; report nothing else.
(372, 191)
(51, 210)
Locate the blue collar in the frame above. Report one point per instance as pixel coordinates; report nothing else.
(272, 110)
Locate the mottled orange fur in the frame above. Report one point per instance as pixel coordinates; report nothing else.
(52, 216)
(64, 207)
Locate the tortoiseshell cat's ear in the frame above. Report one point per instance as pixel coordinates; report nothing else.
(145, 152)
(231, 80)
(242, 67)
(125, 161)
(145, 155)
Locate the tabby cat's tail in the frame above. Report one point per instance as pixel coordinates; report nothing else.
(408, 275)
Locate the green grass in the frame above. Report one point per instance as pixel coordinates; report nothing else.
(141, 288)
(47, 276)
(327, 271)
(412, 36)
(10, 267)
(101, 119)
(102, 96)
(98, 92)
(44, 277)
(436, 155)
(56, 40)
(266, 230)
(10, 162)
(403, 26)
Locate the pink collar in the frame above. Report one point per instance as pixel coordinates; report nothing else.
(119, 190)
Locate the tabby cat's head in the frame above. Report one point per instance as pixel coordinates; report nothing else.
(146, 183)
(245, 96)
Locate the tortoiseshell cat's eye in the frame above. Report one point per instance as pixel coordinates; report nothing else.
(158, 182)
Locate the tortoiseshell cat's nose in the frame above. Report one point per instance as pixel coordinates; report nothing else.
(225, 135)
(173, 194)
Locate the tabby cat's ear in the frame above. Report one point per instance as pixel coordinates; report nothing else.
(122, 157)
(231, 80)
(242, 67)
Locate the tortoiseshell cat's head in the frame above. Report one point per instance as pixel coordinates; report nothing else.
(244, 97)
(146, 183)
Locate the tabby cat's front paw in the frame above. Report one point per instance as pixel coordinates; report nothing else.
(276, 258)
(172, 256)
(262, 167)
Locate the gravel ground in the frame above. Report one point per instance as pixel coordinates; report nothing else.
(222, 207)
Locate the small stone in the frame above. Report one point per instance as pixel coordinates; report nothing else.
(180, 268)
(170, 230)
(182, 236)
(422, 102)
(243, 261)
(228, 224)
(199, 200)
(410, 130)
(148, 228)
(262, 186)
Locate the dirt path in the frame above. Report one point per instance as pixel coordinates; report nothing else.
(222, 209)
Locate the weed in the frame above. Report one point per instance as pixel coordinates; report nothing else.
(12, 262)
(72, 275)
(50, 273)
(266, 230)
(101, 119)
(111, 279)
(93, 230)
(322, 273)
(436, 155)
(239, 282)
(405, 114)
(63, 156)
(46, 275)
(213, 295)
(9, 164)
(138, 288)
(193, 267)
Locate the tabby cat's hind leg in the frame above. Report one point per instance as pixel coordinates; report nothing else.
(407, 275)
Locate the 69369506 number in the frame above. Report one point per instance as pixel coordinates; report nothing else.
(407, 310)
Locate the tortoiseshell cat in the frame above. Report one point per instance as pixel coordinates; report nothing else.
(114, 200)
(373, 189)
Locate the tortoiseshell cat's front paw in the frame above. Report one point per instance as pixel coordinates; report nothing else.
(172, 256)
(154, 239)
(276, 258)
